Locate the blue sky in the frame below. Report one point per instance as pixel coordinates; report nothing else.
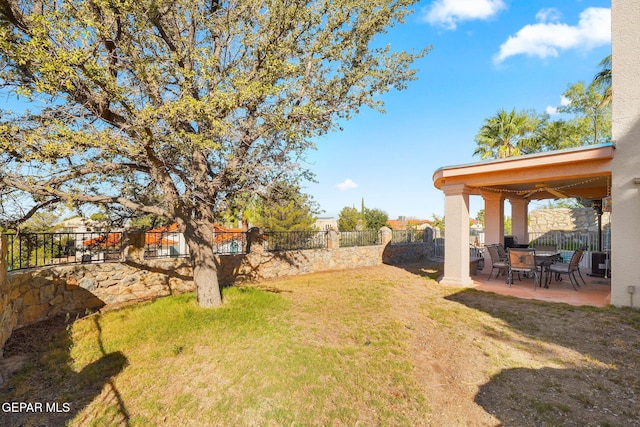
(487, 55)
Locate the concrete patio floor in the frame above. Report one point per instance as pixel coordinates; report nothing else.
(597, 291)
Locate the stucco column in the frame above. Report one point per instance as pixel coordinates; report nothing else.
(456, 226)
(519, 219)
(493, 223)
(625, 227)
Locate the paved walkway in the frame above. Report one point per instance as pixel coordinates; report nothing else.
(596, 293)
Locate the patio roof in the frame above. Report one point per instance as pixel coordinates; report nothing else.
(582, 172)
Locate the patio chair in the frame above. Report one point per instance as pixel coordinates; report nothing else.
(570, 268)
(502, 252)
(496, 261)
(523, 261)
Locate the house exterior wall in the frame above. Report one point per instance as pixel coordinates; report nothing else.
(625, 224)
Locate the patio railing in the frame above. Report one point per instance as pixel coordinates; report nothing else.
(568, 241)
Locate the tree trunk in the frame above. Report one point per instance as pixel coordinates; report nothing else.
(199, 238)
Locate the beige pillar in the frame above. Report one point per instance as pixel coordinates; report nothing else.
(625, 225)
(134, 246)
(255, 241)
(456, 228)
(493, 223)
(519, 219)
(333, 239)
(385, 236)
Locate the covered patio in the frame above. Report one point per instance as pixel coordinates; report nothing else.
(583, 173)
(597, 291)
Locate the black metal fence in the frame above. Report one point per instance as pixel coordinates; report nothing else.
(275, 241)
(230, 243)
(359, 238)
(164, 244)
(406, 236)
(28, 250)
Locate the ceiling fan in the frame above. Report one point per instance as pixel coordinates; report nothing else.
(544, 187)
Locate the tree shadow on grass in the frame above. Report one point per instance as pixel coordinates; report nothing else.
(423, 268)
(250, 268)
(47, 380)
(592, 357)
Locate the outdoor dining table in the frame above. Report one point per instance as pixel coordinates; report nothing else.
(544, 259)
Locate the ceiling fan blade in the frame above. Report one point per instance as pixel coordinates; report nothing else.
(557, 193)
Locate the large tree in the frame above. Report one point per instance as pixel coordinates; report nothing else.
(592, 113)
(350, 219)
(195, 101)
(285, 208)
(375, 219)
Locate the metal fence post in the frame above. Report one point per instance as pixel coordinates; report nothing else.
(4, 250)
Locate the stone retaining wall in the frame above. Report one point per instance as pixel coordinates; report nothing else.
(565, 219)
(28, 296)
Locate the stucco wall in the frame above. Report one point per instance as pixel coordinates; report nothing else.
(625, 227)
(28, 296)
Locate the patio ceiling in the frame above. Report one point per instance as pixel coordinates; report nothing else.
(583, 172)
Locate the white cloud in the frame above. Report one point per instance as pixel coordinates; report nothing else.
(548, 15)
(447, 13)
(564, 101)
(546, 39)
(347, 184)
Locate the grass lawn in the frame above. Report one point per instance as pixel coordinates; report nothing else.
(375, 346)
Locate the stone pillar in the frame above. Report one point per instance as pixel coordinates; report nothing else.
(134, 246)
(427, 236)
(333, 238)
(385, 236)
(255, 241)
(493, 223)
(519, 219)
(625, 179)
(456, 247)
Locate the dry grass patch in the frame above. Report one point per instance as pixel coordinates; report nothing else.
(373, 346)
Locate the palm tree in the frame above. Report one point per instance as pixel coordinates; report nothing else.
(507, 134)
(602, 80)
